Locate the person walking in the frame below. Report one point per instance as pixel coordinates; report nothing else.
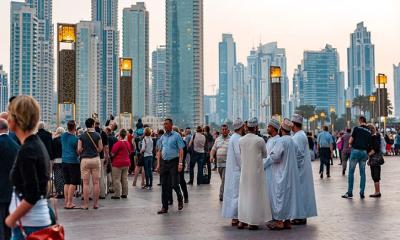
(30, 173)
(339, 144)
(196, 148)
(70, 164)
(232, 175)
(8, 151)
(375, 160)
(147, 152)
(219, 153)
(209, 145)
(305, 171)
(120, 165)
(346, 150)
(325, 149)
(253, 201)
(57, 163)
(104, 161)
(89, 147)
(360, 141)
(170, 164)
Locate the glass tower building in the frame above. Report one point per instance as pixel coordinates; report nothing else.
(396, 80)
(159, 82)
(320, 80)
(106, 12)
(227, 61)
(135, 45)
(361, 63)
(184, 63)
(3, 90)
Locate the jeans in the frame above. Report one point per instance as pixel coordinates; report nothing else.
(17, 235)
(199, 159)
(169, 180)
(221, 171)
(120, 180)
(325, 156)
(5, 232)
(148, 163)
(360, 157)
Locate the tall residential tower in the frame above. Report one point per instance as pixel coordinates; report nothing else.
(159, 82)
(396, 80)
(3, 90)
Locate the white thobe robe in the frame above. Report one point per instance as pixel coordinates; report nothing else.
(232, 179)
(285, 180)
(268, 174)
(253, 202)
(306, 175)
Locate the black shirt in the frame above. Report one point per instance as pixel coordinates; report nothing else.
(104, 140)
(310, 143)
(362, 139)
(89, 149)
(30, 173)
(57, 148)
(47, 140)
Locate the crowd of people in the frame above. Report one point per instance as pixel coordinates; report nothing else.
(264, 180)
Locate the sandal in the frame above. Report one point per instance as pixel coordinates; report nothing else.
(276, 226)
(235, 222)
(242, 225)
(299, 222)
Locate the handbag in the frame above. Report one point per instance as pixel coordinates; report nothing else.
(54, 232)
(376, 159)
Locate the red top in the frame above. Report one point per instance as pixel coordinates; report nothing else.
(121, 151)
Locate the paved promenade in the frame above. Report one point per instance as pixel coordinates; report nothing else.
(136, 218)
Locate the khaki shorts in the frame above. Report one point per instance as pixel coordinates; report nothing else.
(90, 166)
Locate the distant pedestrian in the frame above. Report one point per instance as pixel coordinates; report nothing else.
(209, 144)
(346, 149)
(147, 152)
(325, 149)
(197, 155)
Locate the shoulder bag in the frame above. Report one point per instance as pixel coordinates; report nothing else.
(94, 144)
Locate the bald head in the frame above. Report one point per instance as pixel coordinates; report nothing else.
(4, 115)
(41, 125)
(3, 126)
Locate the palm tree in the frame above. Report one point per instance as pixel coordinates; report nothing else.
(307, 111)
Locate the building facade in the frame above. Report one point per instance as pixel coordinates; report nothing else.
(88, 69)
(106, 12)
(239, 93)
(227, 61)
(361, 63)
(184, 64)
(135, 45)
(396, 80)
(210, 109)
(3, 90)
(159, 90)
(319, 80)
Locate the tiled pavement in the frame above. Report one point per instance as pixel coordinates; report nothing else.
(136, 218)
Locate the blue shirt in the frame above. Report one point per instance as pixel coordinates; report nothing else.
(69, 144)
(170, 144)
(324, 139)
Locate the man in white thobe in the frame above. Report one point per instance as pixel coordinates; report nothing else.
(272, 130)
(305, 171)
(232, 174)
(285, 185)
(253, 202)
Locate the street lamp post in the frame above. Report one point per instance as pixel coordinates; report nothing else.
(381, 80)
(323, 116)
(275, 75)
(332, 111)
(372, 100)
(348, 113)
(316, 120)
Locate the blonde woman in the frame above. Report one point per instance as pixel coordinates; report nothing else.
(147, 152)
(30, 172)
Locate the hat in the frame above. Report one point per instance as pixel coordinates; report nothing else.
(237, 124)
(297, 118)
(287, 124)
(253, 122)
(274, 122)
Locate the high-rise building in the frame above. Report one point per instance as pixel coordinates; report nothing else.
(239, 92)
(319, 80)
(210, 109)
(184, 37)
(361, 63)
(24, 48)
(227, 60)
(135, 45)
(258, 65)
(159, 90)
(3, 90)
(88, 69)
(106, 12)
(396, 80)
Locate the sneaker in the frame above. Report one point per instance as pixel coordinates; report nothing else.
(375, 195)
(124, 196)
(362, 196)
(348, 195)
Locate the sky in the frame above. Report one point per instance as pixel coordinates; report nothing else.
(296, 25)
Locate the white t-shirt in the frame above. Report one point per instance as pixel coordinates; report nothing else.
(147, 146)
(38, 216)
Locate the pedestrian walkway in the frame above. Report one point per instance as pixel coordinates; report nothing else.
(136, 218)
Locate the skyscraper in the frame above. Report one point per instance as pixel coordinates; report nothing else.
(396, 80)
(3, 90)
(239, 92)
(106, 12)
(227, 60)
(135, 45)
(24, 47)
(88, 69)
(45, 56)
(320, 80)
(184, 37)
(159, 82)
(361, 63)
